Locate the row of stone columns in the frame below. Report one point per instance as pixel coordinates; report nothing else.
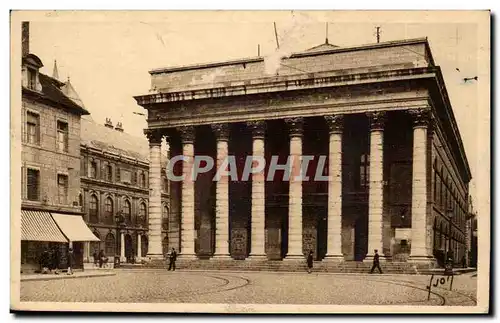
(335, 124)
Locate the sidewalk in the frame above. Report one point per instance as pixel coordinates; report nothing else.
(79, 274)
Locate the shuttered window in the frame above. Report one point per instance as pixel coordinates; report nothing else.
(33, 185)
(117, 174)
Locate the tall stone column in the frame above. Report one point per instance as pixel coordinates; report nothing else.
(122, 247)
(154, 208)
(334, 236)
(187, 204)
(419, 249)
(258, 219)
(221, 195)
(295, 191)
(139, 246)
(376, 184)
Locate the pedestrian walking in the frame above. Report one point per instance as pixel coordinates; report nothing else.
(376, 262)
(310, 262)
(96, 259)
(70, 261)
(172, 258)
(101, 258)
(44, 261)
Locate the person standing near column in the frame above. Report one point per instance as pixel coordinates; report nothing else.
(172, 258)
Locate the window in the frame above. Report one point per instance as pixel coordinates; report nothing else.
(93, 209)
(80, 199)
(142, 213)
(142, 180)
(165, 184)
(108, 211)
(62, 136)
(125, 176)
(109, 173)
(32, 78)
(62, 188)
(32, 128)
(126, 211)
(33, 183)
(364, 170)
(165, 217)
(110, 243)
(93, 169)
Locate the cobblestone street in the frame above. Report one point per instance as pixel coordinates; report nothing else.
(156, 286)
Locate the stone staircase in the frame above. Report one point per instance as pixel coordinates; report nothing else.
(287, 266)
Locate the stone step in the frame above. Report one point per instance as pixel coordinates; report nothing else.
(282, 266)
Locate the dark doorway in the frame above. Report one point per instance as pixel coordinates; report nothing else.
(78, 255)
(129, 248)
(361, 236)
(322, 225)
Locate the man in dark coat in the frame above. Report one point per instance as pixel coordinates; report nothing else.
(172, 258)
(376, 262)
(70, 261)
(310, 261)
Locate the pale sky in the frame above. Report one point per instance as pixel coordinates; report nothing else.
(108, 59)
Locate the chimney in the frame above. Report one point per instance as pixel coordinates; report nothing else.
(25, 38)
(119, 127)
(108, 123)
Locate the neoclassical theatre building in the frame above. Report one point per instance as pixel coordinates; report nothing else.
(381, 115)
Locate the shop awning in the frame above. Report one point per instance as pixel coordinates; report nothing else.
(40, 226)
(73, 227)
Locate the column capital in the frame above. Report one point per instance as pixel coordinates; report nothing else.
(187, 134)
(377, 120)
(295, 126)
(335, 123)
(221, 131)
(154, 136)
(258, 128)
(421, 117)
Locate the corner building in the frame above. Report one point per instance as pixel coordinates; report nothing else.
(380, 113)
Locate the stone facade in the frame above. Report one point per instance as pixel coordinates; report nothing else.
(50, 154)
(115, 183)
(378, 112)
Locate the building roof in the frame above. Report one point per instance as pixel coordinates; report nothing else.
(71, 93)
(110, 140)
(52, 91)
(113, 141)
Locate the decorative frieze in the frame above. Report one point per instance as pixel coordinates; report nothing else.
(335, 123)
(221, 131)
(295, 126)
(377, 120)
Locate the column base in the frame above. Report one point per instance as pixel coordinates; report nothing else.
(334, 258)
(123, 259)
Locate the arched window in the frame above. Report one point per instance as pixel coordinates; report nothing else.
(108, 211)
(95, 246)
(126, 209)
(110, 245)
(93, 209)
(142, 213)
